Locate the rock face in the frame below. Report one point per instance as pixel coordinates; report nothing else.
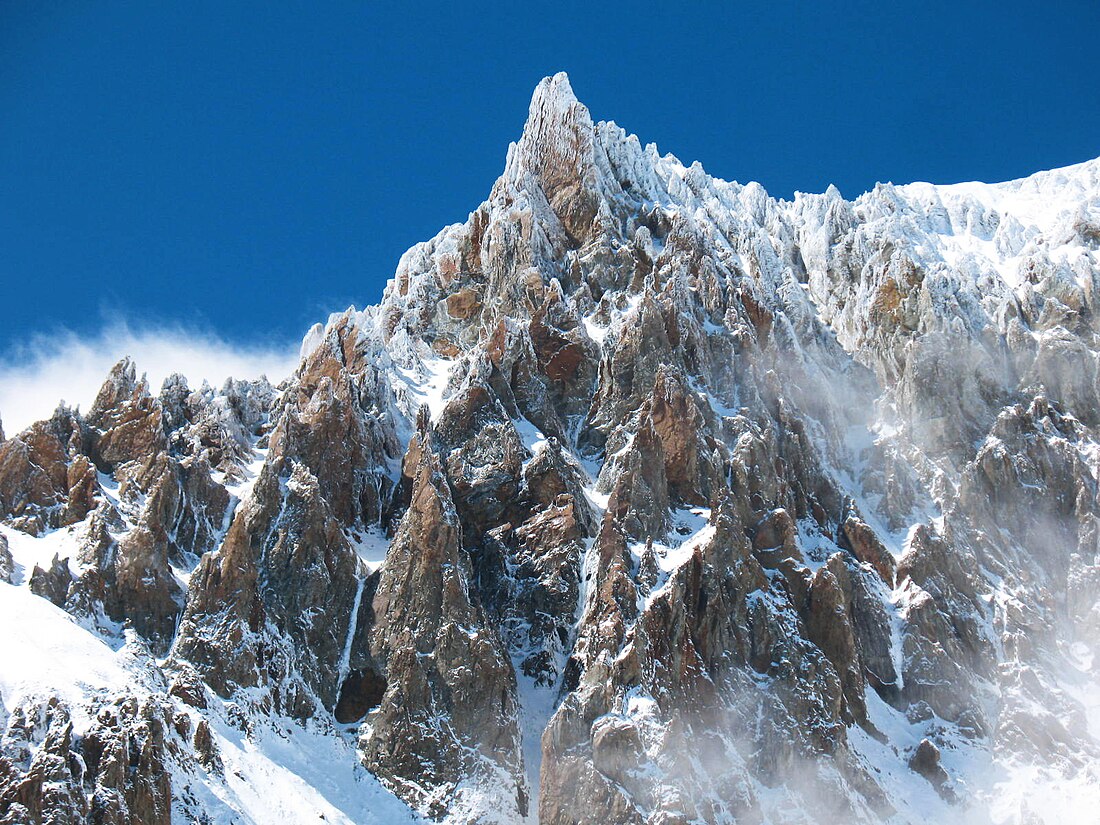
(7, 564)
(115, 772)
(448, 716)
(641, 497)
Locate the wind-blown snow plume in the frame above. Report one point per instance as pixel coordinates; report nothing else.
(65, 366)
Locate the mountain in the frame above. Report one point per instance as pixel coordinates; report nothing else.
(641, 497)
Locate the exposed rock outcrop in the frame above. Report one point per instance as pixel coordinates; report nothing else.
(115, 772)
(446, 725)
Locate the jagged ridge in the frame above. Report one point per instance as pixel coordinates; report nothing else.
(712, 508)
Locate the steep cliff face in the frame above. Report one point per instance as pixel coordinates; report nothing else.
(641, 497)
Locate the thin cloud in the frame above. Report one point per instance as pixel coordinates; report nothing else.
(67, 367)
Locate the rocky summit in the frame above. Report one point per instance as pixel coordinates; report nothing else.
(641, 498)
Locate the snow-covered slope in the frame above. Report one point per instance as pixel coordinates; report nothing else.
(641, 497)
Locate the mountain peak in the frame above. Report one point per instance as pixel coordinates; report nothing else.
(556, 90)
(557, 150)
(556, 120)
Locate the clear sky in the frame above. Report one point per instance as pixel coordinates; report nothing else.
(243, 168)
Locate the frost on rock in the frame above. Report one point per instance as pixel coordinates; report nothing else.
(641, 497)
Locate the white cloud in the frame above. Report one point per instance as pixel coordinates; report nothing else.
(65, 366)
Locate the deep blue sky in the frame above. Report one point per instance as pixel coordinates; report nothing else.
(246, 167)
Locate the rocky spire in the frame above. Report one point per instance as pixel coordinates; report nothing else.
(558, 151)
(121, 385)
(447, 719)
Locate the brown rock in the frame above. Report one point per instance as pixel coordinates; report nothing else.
(34, 474)
(677, 422)
(285, 556)
(463, 304)
(775, 539)
(438, 651)
(860, 540)
(616, 747)
(45, 790)
(330, 425)
(482, 455)
(639, 501)
(52, 584)
(944, 645)
(361, 692)
(206, 748)
(925, 761)
(559, 357)
(829, 627)
(7, 564)
(446, 347)
(83, 485)
(129, 422)
(188, 688)
(557, 148)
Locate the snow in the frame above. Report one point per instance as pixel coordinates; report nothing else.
(242, 489)
(597, 499)
(426, 384)
(28, 551)
(888, 761)
(690, 520)
(1054, 797)
(371, 545)
(816, 546)
(1083, 684)
(536, 706)
(671, 558)
(43, 652)
(980, 228)
(1038, 200)
(632, 303)
(311, 341)
(283, 772)
(109, 487)
(596, 331)
(529, 434)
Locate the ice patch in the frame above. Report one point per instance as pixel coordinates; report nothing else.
(353, 621)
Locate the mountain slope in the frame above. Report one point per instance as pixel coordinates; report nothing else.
(641, 497)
